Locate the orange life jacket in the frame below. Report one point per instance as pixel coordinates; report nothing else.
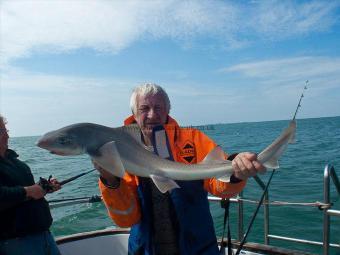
(188, 146)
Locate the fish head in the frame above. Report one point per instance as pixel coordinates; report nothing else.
(65, 141)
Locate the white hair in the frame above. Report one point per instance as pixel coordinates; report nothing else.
(146, 90)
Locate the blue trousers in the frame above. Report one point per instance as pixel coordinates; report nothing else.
(36, 244)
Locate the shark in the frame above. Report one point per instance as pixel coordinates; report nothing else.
(121, 149)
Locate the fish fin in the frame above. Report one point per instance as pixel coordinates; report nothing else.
(216, 155)
(270, 155)
(273, 163)
(164, 184)
(109, 159)
(224, 178)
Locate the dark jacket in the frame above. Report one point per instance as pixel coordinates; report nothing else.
(191, 216)
(196, 235)
(18, 216)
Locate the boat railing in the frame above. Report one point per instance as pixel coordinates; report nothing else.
(326, 206)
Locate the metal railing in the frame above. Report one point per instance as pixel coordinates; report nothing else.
(329, 173)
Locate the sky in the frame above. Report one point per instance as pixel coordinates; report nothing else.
(69, 61)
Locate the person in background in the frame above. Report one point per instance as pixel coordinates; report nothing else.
(179, 221)
(25, 216)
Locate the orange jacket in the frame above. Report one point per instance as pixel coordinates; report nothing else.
(188, 146)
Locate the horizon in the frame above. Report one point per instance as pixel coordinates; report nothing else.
(206, 125)
(219, 61)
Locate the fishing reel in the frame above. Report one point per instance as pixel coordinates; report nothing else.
(46, 184)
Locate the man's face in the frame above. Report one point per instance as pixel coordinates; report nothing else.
(3, 139)
(150, 112)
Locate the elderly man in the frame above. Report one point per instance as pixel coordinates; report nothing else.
(25, 216)
(177, 222)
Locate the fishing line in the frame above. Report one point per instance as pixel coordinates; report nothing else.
(254, 215)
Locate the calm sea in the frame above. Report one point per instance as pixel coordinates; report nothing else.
(299, 179)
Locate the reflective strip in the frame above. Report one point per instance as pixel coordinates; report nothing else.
(160, 140)
(123, 212)
(228, 193)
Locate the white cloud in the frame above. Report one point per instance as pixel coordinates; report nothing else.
(32, 26)
(284, 74)
(279, 82)
(37, 103)
(289, 69)
(280, 19)
(64, 25)
(102, 25)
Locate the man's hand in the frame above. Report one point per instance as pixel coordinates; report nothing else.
(54, 184)
(35, 191)
(110, 179)
(245, 165)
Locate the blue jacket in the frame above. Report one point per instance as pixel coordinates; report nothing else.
(196, 234)
(196, 230)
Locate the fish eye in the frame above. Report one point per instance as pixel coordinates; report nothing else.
(64, 140)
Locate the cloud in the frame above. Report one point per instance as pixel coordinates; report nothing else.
(279, 19)
(45, 102)
(278, 82)
(36, 103)
(110, 26)
(289, 69)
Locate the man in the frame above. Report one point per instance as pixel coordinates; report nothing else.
(25, 216)
(177, 222)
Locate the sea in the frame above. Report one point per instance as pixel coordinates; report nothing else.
(298, 180)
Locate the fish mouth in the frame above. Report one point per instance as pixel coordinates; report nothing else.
(66, 152)
(41, 144)
(59, 153)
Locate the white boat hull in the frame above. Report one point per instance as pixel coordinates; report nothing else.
(103, 242)
(115, 242)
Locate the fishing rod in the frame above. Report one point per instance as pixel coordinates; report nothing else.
(299, 104)
(75, 177)
(266, 188)
(46, 183)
